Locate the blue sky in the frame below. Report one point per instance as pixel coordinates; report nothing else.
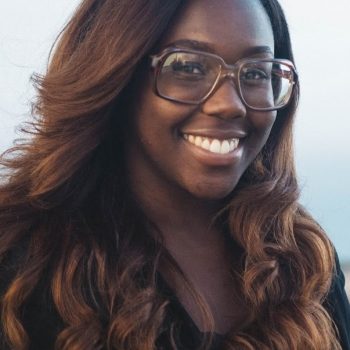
(321, 43)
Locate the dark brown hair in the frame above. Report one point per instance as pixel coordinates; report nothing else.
(67, 222)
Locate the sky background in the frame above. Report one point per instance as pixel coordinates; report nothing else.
(321, 41)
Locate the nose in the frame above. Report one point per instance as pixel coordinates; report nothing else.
(225, 102)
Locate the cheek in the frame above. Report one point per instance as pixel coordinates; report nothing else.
(157, 118)
(262, 123)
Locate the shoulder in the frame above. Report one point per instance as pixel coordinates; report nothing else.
(38, 315)
(337, 304)
(8, 269)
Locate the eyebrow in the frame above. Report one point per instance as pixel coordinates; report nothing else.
(193, 44)
(204, 46)
(256, 50)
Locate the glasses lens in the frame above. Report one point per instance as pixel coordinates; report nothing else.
(187, 76)
(266, 84)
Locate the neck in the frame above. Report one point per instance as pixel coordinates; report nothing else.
(174, 211)
(181, 219)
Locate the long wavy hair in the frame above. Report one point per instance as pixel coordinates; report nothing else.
(70, 231)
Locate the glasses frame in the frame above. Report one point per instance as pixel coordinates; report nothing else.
(231, 71)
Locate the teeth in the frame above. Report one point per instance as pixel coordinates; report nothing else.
(205, 144)
(232, 145)
(198, 141)
(225, 147)
(213, 145)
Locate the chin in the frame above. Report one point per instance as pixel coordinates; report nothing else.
(213, 191)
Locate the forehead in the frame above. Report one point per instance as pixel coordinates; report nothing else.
(230, 27)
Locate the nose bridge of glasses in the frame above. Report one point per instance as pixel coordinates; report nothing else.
(229, 74)
(227, 81)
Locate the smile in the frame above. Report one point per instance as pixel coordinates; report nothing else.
(213, 145)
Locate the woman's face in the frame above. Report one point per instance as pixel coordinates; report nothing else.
(160, 149)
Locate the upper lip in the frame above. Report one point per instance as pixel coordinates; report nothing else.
(219, 134)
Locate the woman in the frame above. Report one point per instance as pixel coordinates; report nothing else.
(156, 204)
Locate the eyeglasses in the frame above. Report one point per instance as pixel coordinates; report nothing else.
(191, 76)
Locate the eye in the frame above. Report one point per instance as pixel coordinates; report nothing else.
(188, 68)
(254, 74)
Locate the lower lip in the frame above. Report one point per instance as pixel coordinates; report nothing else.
(215, 159)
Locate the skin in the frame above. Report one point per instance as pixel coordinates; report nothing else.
(180, 186)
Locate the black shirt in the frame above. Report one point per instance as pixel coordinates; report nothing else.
(336, 303)
(43, 324)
